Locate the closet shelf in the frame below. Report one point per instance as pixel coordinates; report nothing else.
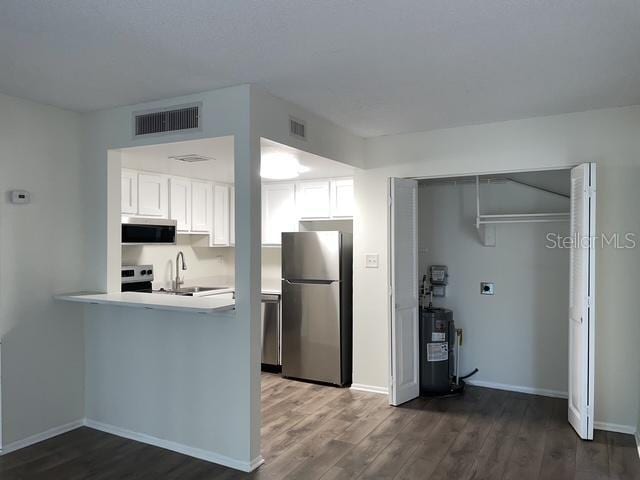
(493, 219)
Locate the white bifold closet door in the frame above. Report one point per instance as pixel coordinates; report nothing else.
(405, 373)
(581, 299)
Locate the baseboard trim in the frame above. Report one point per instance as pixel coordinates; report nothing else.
(41, 437)
(176, 447)
(615, 427)
(518, 388)
(369, 388)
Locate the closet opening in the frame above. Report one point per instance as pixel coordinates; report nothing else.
(491, 272)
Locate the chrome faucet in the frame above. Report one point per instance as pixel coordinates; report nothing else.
(177, 282)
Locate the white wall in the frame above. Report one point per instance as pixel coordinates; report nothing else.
(270, 119)
(271, 264)
(233, 428)
(608, 137)
(41, 254)
(518, 336)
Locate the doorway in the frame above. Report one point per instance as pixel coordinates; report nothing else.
(530, 230)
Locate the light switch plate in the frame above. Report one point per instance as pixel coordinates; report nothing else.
(487, 288)
(371, 260)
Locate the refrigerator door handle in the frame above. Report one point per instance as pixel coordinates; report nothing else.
(306, 282)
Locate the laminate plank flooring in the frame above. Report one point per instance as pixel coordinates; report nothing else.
(315, 432)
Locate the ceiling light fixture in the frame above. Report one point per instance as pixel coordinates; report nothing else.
(280, 166)
(191, 158)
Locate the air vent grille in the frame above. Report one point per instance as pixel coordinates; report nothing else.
(167, 120)
(297, 128)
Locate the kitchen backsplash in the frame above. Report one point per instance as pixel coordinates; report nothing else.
(201, 261)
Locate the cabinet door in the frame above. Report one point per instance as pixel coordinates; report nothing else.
(201, 207)
(312, 199)
(129, 192)
(220, 214)
(232, 215)
(153, 195)
(278, 212)
(180, 202)
(342, 198)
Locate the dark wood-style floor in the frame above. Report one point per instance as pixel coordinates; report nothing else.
(315, 432)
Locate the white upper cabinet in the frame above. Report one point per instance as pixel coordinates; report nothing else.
(153, 195)
(201, 207)
(221, 194)
(180, 202)
(313, 199)
(129, 192)
(232, 215)
(342, 198)
(278, 212)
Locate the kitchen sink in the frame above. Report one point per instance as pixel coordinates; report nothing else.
(190, 291)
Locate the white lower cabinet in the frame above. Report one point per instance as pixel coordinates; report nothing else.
(180, 202)
(153, 195)
(278, 212)
(201, 207)
(221, 207)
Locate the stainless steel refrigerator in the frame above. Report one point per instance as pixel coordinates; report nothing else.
(317, 306)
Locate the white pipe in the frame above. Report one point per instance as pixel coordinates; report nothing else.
(457, 367)
(477, 202)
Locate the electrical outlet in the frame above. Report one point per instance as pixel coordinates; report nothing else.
(487, 288)
(371, 260)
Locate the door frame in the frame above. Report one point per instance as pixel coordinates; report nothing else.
(390, 252)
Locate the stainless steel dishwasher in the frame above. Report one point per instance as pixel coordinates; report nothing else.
(270, 314)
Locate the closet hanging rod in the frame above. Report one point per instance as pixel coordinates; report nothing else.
(528, 220)
(525, 215)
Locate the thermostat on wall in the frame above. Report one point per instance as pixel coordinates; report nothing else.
(20, 196)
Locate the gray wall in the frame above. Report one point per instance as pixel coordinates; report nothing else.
(41, 247)
(518, 337)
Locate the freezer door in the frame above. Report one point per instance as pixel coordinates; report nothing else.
(311, 331)
(311, 255)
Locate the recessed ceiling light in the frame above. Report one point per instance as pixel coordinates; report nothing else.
(280, 166)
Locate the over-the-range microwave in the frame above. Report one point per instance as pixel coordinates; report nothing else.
(145, 231)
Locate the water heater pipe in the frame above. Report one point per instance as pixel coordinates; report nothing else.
(457, 367)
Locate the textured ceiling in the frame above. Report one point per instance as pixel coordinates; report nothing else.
(375, 67)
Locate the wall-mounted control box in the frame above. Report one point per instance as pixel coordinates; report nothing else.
(438, 275)
(18, 197)
(487, 288)
(439, 290)
(438, 278)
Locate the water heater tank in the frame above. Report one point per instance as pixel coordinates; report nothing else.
(437, 342)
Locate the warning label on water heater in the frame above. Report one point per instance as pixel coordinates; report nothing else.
(437, 352)
(438, 336)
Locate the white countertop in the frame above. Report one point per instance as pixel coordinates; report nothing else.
(207, 305)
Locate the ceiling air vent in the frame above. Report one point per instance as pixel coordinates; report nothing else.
(172, 119)
(297, 128)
